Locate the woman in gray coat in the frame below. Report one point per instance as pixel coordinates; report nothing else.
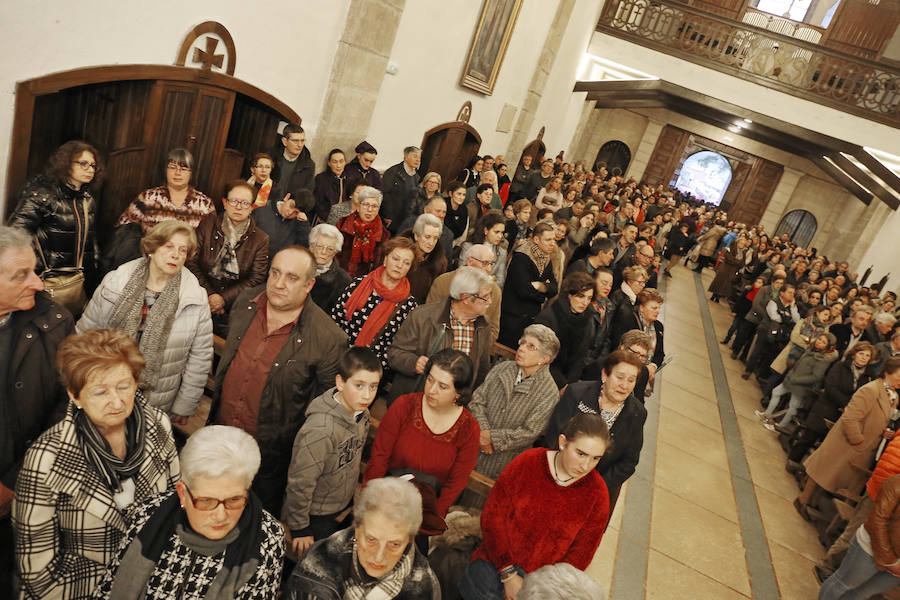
(159, 302)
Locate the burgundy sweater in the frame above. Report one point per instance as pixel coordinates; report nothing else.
(403, 440)
(529, 520)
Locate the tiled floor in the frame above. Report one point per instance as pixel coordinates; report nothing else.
(697, 546)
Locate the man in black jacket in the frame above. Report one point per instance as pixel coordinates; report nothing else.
(399, 187)
(848, 334)
(31, 397)
(293, 168)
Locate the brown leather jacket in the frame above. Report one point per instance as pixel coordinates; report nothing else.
(252, 252)
(883, 523)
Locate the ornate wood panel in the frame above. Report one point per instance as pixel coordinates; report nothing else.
(666, 155)
(739, 176)
(727, 8)
(862, 27)
(756, 192)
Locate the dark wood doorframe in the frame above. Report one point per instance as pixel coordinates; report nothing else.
(27, 91)
(433, 150)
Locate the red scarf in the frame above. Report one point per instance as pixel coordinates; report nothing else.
(366, 237)
(384, 310)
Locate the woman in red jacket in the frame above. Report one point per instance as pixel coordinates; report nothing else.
(547, 507)
(431, 436)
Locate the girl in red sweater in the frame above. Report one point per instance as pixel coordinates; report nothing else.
(547, 507)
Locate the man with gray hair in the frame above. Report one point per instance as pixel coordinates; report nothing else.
(326, 242)
(458, 322)
(31, 396)
(399, 187)
(437, 207)
(482, 258)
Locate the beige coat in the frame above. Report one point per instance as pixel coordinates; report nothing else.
(440, 291)
(843, 460)
(709, 241)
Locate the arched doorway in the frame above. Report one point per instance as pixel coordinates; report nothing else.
(450, 147)
(705, 175)
(615, 155)
(535, 149)
(134, 114)
(800, 225)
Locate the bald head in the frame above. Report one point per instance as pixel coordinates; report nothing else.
(481, 257)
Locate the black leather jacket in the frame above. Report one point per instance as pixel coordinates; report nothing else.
(55, 214)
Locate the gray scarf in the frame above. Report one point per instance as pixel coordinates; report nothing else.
(385, 588)
(226, 263)
(127, 317)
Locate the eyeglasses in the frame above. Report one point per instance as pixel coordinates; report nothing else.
(207, 504)
(323, 248)
(487, 300)
(486, 263)
(84, 164)
(644, 358)
(241, 203)
(369, 205)
(177, 168)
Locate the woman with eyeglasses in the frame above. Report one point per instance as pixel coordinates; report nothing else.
(112, 450)
(364, 233)
(56, 208)
(175, 200)
(209, 538)
(643, 315)
(233, 253)
(623, 299)
(612, 398)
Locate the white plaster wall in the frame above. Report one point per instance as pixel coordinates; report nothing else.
(284, 47)
(754, 97)
(882, 252)
(430, 51)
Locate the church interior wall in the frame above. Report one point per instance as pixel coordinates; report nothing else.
(613, 124)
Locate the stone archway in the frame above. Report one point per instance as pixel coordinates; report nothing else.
(800, 225)
(705, 175)
(615, 155)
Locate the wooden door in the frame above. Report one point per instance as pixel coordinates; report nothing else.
(615, 155)
(862, 27)
(727, 8)
(536, 150)
(754, 197)
(195, 117)
(448, 149)
(666, 155)
(738, 179)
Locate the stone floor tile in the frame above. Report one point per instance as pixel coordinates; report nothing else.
(690, 436)
(667, 579)
(696, 481)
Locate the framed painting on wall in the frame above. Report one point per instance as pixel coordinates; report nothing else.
(495, 26)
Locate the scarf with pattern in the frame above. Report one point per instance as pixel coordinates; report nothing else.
(386, 587)
(366, 237)
(226, 266)
(380, 315)
(539, 257)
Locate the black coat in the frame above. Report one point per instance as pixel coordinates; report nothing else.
(400, 192)
(282, 232)
(328, 190)
(51, 212)
(291, 181)
(354, 174)
(627, 433)
(626, 319)
(678, 243)
(575, 333)
(839, 388)
(34, 398)
(521, 302)
(329, 285)
(842, 333)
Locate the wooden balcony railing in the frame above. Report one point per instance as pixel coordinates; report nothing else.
(790, 64)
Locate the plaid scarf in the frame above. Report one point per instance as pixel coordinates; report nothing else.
(383, 589)
(539, 257)
(463, 334)
(226, 266)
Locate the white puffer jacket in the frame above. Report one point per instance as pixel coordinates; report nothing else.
(188, 354)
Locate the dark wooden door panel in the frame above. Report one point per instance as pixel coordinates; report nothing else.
(757, 191)
(666, 155)
(448, 149)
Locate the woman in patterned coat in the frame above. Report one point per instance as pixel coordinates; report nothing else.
(372, 308)
(210, 538)
(111, 450)
(513, 404)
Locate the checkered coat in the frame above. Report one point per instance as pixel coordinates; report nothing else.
(67, 524)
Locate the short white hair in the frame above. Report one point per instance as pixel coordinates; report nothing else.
(367, 192)
(468, 280)
(561, 581)
(464, 255)
(396, 499)
(219, 450)
(426, 220)
(13, 237)
(329, 231)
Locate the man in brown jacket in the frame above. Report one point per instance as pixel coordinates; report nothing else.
(457, 323)
(281, 352)
(481, 257)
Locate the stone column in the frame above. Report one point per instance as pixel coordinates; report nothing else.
(356, 75)
(577, 150)
(645, 149)
(525, 120)
(780, 198)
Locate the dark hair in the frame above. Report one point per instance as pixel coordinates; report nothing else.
(587, 425)
(290, 129)
(260, 156)
(402, 243)
(890, 365)
(236, 183)
(181, 157)
(576, 283)
(621, 356)
(604, 270)
(601, 245)
(358, 359)
(453, 186)
(540, 229)
(459, 365)
(61, 160)
(542, 213)
(649, 295)
(474, 161)
(483, 187)
(488, 221)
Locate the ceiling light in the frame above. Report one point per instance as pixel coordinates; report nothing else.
(726, 139)
(747, 121)
(733, 128)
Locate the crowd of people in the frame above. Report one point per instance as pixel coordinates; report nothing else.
(509, 320)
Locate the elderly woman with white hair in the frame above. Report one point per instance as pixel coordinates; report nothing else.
(209, 538)
(515, 401)
(326, 241)
(376, 558)
(426, 233)
(365, 233)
